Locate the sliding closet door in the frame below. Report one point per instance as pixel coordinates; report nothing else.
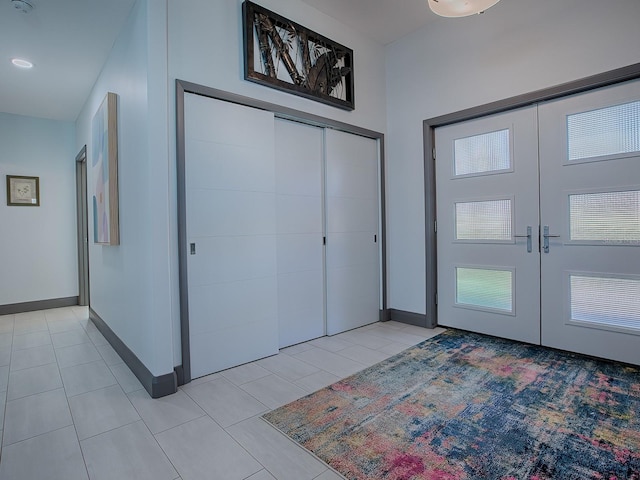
(299, 150)
(231, 234)
(353, 266)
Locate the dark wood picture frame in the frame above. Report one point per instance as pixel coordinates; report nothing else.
(284, 55)
(23, 191)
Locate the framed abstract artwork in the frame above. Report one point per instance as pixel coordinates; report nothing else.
(282, 54)
(104, 167)
(23, 191)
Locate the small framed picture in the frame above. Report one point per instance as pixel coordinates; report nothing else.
(23, 191)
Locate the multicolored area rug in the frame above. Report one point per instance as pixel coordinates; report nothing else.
(468, 406)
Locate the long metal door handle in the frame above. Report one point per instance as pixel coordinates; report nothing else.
(528, 237)
(545, 238)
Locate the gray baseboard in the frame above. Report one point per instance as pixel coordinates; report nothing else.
(156, 386)
(410, 318)
(14, 308)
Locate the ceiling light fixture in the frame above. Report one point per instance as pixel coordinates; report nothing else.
(21, 63)
(460, 8)
(21, 5)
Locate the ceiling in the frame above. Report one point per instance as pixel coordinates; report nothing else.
(68, 41)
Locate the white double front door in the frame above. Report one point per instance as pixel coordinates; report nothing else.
(539, 224)
(282, 225)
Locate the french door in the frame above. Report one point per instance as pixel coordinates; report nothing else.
(539, 224)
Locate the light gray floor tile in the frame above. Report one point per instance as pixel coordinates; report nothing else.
(391, 324)
(29, 325)
(77, 355)
(33, 380)
(101, 410)
(87, 377)
(30, 340)
(396, 335)
(72, 337)
(330, 362)
(97, 338)
(52, 456)
(245, 373)
(167, 412)
(273, 391)
(283, 458)
(6, 339)
(5, 356)
(224, 402)
(67, 325)
(109, 355)
(364, 355)
(262, 475)
(6, 323)
(394, 348)
(331, 344)
(201, 449)
(81, 312)
(35, 415)
(205, 379)
(32, 357)
(317, 381)
(4, 378)
(128, 452)
(125, 377)
(59, 314)
(287, 367)
(360, 337)
(3, 403)
(330, 475)
(299, 348)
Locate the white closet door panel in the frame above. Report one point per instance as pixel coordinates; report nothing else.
(354, 297)
(226, 212)
(352, 254)
(300, 230)
(231, 227)
(355, 177)
(299, 252)
(351, 214)
(300, 308)
(216, 121)
(298, 159)
(351, 249)
(228, 303)
(229, 167)
(299, 214)
(230, 259)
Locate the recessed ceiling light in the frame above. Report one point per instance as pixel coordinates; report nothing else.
(21, 63)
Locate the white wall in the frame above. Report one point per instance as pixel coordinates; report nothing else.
(205, 47)
(38, 254)
(130, 283)
(516, 47)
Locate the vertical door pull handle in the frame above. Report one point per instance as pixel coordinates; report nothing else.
(528, 237)
(193, 248)
(545, 238)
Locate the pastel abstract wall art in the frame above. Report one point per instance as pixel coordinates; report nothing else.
(104, 167)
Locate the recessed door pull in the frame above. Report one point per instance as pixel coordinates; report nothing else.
(545, 238)
(528, 237)
(193, 248)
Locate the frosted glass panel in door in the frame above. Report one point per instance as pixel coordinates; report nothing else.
(231, 234)
(300, 262)
(353, 291)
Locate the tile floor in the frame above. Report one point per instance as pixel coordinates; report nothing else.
(71, 409)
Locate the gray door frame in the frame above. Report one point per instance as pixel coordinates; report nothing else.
(630, 72)
(184, 371)
(82, 227)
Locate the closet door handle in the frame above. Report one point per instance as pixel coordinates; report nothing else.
(528, 237)
(545, 238)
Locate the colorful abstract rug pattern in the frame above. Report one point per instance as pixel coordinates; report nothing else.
(468, 406)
